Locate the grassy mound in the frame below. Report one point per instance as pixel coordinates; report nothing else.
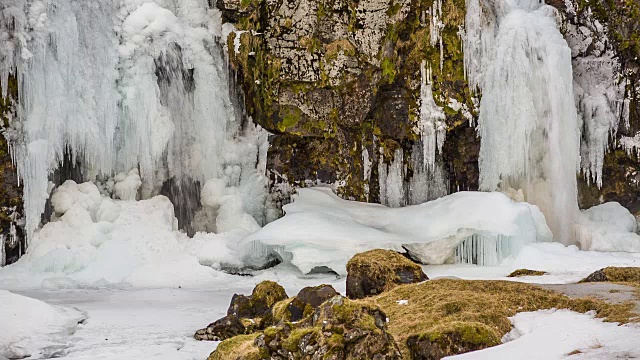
(476, 311)
(526, 272)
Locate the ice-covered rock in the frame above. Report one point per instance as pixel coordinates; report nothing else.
(320, 229)
(608, 227)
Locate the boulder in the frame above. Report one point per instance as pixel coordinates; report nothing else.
(615, 274)
(454, 338)
(375, 271)
(303, 304)
(225, 328)
(246, 314)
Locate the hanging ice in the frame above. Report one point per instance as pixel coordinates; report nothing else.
(120, 86)
(528, 121)
(432, 126)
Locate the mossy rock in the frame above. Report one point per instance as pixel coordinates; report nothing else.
(246, 314)
(526, 272)
(615, 274)
(265, 295)
(303, 304)
(450, 339)
(375, 271)
(241, 347)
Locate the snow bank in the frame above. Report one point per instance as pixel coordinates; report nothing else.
(553, 334)
(608, 227)
(100, 241)
(320, 229)
(564, 264)
(30, 327)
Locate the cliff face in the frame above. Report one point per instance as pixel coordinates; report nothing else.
(338, 83)
(334, 80)
(12, 243)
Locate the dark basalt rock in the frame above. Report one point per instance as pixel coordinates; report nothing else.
(221, 329)
(308, 299)
(246, 314)
(373, 272)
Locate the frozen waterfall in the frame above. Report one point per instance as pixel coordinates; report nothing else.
(122, 85)
(528, 121)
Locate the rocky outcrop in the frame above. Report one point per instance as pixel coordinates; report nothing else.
(246, 314)
(337, 329)
(453, 338)
(615, 274)
(12, 240)
(338, 83)
(372, 272)
(303, 304)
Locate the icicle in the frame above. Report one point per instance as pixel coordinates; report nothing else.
(391, 180)
(432, 127)
(436, 28)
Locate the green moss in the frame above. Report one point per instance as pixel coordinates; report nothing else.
(473, 333)
(388, 70)
(293, 340)
(268, 293)
(241, 346)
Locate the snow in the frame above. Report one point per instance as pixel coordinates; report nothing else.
(558, 334)
(530, 138)
(609, 227)
(320, 229)
(33, 328)
(564, 264)
(100, 241)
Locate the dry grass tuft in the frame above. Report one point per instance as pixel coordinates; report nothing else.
(241, 346)
(526, 272)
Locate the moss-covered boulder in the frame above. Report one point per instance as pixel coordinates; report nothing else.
(372, 272)
(338, 329)
(451, 338)
(246, 314)
(615, 274)
(303, 304)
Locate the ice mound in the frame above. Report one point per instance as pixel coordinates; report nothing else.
(100, 241)
(322, 230)
(608, 227)
(32, 328)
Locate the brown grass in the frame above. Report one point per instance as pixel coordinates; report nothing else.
(236, 347)
(526, 272)
(437, 303)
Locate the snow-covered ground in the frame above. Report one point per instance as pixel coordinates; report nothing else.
(561, 334)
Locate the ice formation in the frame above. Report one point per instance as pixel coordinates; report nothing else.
(93, 240)
(432, 125)
(528, 122)
(599, 92)
(134, 84)
(322, 230)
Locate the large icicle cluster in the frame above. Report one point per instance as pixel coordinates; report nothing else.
(599, 91)
(528, 121)
(432, 125)
(134, 84)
